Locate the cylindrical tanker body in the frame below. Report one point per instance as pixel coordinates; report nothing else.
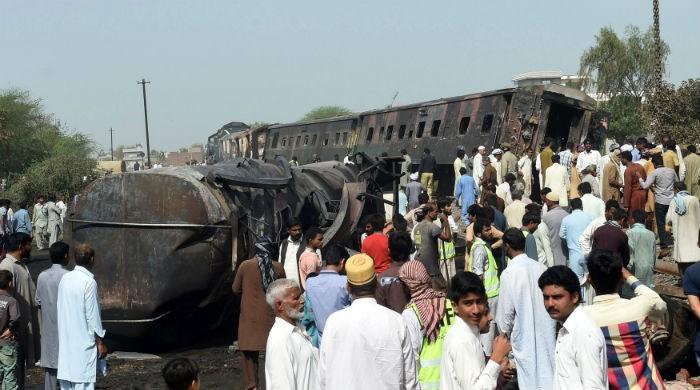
(167, 240)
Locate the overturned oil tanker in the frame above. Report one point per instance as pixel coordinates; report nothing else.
(168, 240)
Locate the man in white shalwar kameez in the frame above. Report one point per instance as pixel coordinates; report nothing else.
(80, 331)
(521, 315)
(557, 180)
(525, 168)
(478, 164)
(684, 216)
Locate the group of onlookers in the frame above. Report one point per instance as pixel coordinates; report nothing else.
(54, 323)
(556, 293)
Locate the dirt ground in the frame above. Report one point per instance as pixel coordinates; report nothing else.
(218, 369)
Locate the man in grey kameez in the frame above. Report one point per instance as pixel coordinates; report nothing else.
(40, 222)
(19, 248)
(46, 301)
(53, 214)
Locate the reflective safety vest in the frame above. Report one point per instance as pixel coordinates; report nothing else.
(431, 353)
(491, 282)
(447, 250)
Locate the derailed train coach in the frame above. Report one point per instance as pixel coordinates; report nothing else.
(168, 240)
(521, 116)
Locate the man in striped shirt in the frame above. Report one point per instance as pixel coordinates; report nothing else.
(631, 363)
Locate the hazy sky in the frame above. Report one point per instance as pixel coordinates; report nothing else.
(213, 62)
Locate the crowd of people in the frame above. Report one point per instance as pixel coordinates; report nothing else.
(60, 309)
(555, 290)
(550, 295)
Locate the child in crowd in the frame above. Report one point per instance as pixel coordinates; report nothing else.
(181, 374)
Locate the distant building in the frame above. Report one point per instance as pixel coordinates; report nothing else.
(192, 155)
(133, 155)
(546, 77)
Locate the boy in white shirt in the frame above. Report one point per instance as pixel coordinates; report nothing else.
(463, 365)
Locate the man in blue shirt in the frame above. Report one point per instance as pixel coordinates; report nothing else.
(22, 223)
(327, 292)
(466, 192)
(572, 226)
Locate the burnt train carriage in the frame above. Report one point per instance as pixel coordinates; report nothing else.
(521, 116)
(325, 138)
(223, 145)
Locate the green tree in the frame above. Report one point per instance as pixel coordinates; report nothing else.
(677, 110)
(621, 66)
(37, 154)
(60, 175)
(22, 123)
(622, 71)
(324, 112)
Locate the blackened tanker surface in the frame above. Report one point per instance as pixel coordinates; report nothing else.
(167, 240)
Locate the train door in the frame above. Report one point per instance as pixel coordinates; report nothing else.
(561, 119)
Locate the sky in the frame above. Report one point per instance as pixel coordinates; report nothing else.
(214, 62)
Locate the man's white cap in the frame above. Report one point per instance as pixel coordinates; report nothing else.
(626, 148)
(482, 147)
(413, 176)
(497, 151)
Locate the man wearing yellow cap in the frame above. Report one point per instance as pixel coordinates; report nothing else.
(366, 345)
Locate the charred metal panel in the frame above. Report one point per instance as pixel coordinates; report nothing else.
(167, 240)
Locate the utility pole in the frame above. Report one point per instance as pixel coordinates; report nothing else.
(111, 142)
(658, 64)
(143, 83)
(657, 46)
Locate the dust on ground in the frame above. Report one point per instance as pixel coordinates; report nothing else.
(218, 369)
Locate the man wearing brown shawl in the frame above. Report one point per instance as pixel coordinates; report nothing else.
(635, 194)
(612, 179)
(256, 318)
(428, 317)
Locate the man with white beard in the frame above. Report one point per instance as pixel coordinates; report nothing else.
(291, 361)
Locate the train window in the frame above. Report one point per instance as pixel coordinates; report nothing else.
(389, 132)
(325, 141)
(464, 125)
(421, 128)
(275, 139)
(410, 133)
(435, 130)
(306, 140)
(345, 138)
(284, 141)
(313, 140)
(337, 138)
(486, 123)
(298, 141)
(402, 131)
(381, 134)
(370, 133)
